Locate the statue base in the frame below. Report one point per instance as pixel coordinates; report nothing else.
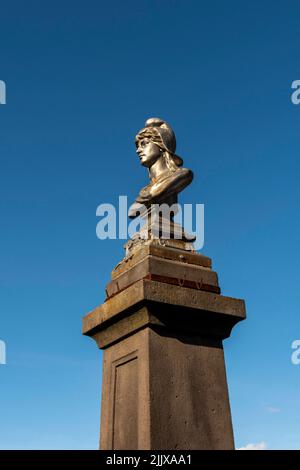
(161, 328)
(159, 229)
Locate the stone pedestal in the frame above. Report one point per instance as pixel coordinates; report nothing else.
(161, 328)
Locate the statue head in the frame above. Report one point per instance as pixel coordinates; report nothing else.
(157, 140)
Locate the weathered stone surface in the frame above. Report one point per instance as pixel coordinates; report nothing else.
(188, 384)
(164, 382)
(165, 392)
(168, 271)
(198, 304)
(164, 252)
(125, 395)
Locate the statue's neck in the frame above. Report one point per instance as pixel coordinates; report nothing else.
(158, 169)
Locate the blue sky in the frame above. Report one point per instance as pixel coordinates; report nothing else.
(82, 78)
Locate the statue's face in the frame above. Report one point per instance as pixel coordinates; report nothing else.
(148, 152)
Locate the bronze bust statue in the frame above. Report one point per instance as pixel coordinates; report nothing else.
(156, 146)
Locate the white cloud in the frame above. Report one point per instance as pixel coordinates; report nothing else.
(273, 409)
(258, 446)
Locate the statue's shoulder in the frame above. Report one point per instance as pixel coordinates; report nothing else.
(184, 174)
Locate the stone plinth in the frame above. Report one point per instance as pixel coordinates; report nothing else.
(161, 328)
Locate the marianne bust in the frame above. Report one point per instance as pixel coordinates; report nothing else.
(156, 146)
